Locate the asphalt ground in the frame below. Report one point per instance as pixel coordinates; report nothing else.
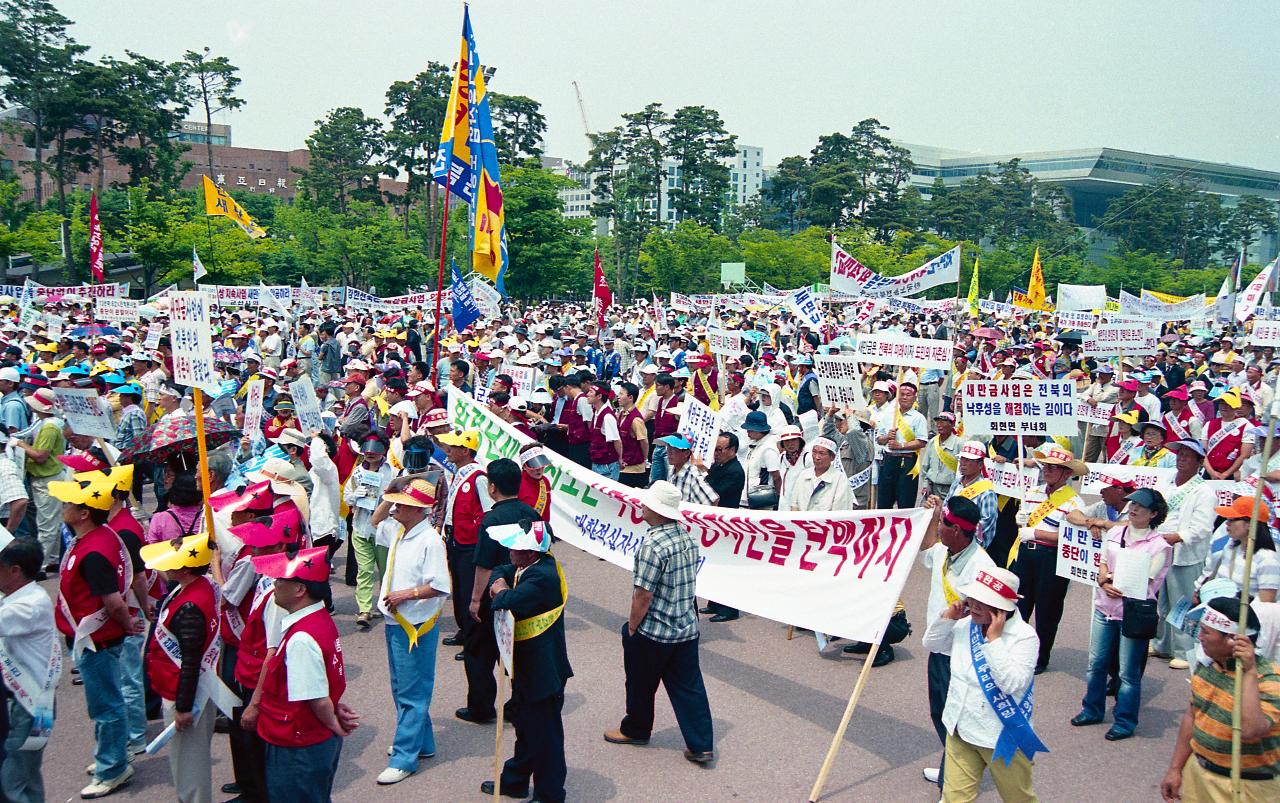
(776, 703)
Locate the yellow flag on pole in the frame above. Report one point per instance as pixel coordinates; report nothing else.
(1035, 289)
(217, 203)
(973, 290)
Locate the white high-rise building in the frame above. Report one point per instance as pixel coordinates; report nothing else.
(746, 177)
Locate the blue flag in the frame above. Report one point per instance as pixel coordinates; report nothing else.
(465, 309)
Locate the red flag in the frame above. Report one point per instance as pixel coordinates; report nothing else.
(95, 241)
(602, 294)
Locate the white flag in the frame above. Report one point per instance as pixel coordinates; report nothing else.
(198, 265)
(1248, 301)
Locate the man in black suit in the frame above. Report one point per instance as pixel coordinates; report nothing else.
(532, 587)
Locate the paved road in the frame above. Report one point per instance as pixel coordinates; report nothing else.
(775, 702)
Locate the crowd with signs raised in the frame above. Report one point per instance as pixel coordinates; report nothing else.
(1009, 451)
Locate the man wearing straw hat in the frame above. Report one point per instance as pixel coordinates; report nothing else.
(96, 574)
(413, 591)
(1201, 766)
(182, 659)
(988, 711)
(1034, 554)
(532, 587)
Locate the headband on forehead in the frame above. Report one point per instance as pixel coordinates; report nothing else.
(537, 456)
(1219, 621)
(956, 521)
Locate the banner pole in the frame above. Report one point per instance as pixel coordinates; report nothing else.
(497, 748)
(816, 792)
(444, 236)
(203, 452)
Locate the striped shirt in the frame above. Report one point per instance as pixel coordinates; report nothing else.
(1211, 698)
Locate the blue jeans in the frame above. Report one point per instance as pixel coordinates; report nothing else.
(135, 699)
(1104, 639)
(658, 463)
(100, 672)
(611, 470)
(303, 774)
(413, 677)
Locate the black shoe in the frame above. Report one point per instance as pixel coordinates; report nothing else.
(1113, 688)
(465, 715)
(1080, 719)
(221, 724)
(459, 655)
(724, 617)
(883, 656)
(486, 788)
(452, 641)
(1114, 735)
(857, 648)
(41, 575)
(1042, 668)
(232, 788)
(707, 611)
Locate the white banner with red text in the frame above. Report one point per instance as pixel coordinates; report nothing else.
(835, 573)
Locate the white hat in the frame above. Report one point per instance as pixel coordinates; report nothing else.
(995, 587)
(663, 498)
(648, 369)
(824, 443)
(974, 450)
(10, 374)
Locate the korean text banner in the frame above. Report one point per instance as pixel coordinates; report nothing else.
(895, 349)
(837, 573)
(1038, 407)
(1152, 309)
(840, 379)
(850, 276)
(1114, 339)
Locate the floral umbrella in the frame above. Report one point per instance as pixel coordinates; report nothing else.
(172, 437)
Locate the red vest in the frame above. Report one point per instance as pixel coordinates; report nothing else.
(531, 493)
(467, 510)
(576, 429)
(80, 600)
(288, 723)
(253, 641)
(229, 635)
(160, 668)
(664, 423)
(632, 454)
(598, 449)
(1225, 452)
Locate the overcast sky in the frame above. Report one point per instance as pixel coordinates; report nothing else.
(1192, 79)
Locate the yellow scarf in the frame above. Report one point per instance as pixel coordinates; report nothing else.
(1150, 461)
(409, 630)
(949, 460)
(535, 626)
(713, 399)
(948, 592)
(1038, 515)
(971, 492)
(908, 435)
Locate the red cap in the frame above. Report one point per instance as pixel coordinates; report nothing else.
(308, 565)
(251, 497)
(81, 462)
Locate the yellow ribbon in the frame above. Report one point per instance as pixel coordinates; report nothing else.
(409, 630)
(713, 399)
(535, 626)
(971, 492)
(908, 435)
(948, 459)
(1038, 515)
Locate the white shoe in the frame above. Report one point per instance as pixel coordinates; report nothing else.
(392, 775)
(103, 788)
(1178, 663)
(930, 774)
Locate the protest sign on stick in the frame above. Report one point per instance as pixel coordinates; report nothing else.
(307, 406)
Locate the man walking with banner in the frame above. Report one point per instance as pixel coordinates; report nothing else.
(989, 706)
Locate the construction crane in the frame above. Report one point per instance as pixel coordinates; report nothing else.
(582, 110)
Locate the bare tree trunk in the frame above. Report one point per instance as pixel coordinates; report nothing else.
(208, 130)
(99, 148)
(60, 161)
(38, 166)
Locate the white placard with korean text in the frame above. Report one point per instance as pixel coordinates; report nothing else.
(805, 304)
(54, 325)
(190, 336)
(725, 342)
(1114, 339)
(840, 379)
(116, 310)
(253, 412)
(153, 337)
(894, 349)
(1141, 476)
(85, 412)
(1033, 407)
(306, 406)
(1088, 414)
(1265, 333)
(524, 379)
(701, 426)
(1079, 554)
(504, 630)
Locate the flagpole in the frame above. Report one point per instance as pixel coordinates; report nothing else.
(444, 236)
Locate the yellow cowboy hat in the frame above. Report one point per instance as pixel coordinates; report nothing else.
(468, 438)
(188, 552)
(120, 476)
(84, 492)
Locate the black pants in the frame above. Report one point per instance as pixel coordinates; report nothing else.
(897, 488)
(1006, 532)
(462, 565)
(480, 657)
(539, 750)
(718, 609)
(648, 663)
(1043, 593)
(579, 453)
(939, 682)
(637, 480)
(248, 757)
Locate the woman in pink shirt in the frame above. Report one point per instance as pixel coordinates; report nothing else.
(183, 515)
(1128, 542)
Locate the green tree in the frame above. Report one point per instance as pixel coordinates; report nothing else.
(36, 58)
(212, 83)
(786, 261)
(685, 258)
(547, 250)
(518, 127)
(1251, 217)
(347, 153)
(785, 193)
(153, 102)
(699, 144)
(416, 110)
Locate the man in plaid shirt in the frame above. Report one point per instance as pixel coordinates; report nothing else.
(660, 638)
